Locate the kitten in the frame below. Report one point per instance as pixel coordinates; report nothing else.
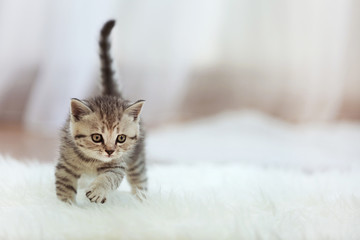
(102, 136)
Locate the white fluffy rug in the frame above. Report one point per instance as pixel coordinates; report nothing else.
(186, 202)
(261, 190)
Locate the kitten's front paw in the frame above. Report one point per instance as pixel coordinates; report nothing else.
(67, 200)
(96, 194)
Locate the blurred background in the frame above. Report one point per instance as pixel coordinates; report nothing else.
(296, 61)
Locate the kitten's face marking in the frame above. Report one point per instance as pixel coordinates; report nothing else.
(104, 131)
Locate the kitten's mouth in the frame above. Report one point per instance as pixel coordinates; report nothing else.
(112, 156)
(106, 158)
(109, 157)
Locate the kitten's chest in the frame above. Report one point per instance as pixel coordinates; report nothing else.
(91, 168)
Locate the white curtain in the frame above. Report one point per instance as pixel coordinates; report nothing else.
(296, 59)
(69, 64)
(294, 52)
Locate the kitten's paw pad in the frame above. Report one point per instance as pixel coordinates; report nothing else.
(97, 195)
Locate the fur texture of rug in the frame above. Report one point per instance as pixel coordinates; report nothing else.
(199, 201)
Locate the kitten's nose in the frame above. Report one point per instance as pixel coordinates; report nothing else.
(109, 152)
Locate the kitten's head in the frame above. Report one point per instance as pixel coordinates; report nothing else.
(105, 127)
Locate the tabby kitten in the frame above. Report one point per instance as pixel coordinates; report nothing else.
(102, 136)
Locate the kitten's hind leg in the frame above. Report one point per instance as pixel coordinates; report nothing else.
(66, 182)
(136, 176)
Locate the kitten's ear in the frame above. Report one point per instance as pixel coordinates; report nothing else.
(79, 109)
(134, 109)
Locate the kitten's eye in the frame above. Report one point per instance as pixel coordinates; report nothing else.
(96, 138)
(121, 138)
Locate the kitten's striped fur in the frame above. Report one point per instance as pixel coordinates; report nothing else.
(111, 116)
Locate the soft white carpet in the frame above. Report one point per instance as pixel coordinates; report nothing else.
(230, 177)
(186, 202)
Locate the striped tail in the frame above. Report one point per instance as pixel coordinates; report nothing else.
(107, 74)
